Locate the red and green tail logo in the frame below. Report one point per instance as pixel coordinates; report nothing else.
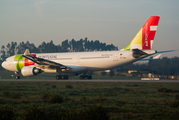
(145, 37)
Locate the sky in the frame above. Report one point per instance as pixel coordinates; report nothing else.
(110, 21)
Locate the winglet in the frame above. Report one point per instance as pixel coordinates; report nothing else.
(27, 52)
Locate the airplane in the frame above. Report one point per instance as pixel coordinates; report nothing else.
(75, 63)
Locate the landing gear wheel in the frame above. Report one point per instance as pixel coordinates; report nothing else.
(86, 77)
(66, 77)
(62, 77)
(58, 77)
(81, 77)
(17, 77)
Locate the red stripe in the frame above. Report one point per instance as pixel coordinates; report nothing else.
(29, 62)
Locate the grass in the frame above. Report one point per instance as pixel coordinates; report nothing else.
(120, 100)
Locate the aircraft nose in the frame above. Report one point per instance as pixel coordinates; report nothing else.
(9, 64)
(4, 65)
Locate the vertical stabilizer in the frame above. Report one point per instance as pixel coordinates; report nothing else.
(145, 37)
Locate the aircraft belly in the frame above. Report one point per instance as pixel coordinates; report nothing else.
(103, 64)
(95, 63)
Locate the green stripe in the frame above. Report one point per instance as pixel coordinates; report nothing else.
(19, 62)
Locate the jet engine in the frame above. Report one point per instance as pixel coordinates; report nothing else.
(30, 71)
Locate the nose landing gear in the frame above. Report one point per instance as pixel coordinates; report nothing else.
(17, 75)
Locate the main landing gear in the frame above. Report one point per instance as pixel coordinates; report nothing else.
(85, 77)
(63, 77)
(17, 75)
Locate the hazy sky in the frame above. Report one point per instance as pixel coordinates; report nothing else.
(111, 21)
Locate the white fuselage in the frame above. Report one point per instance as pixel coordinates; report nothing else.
(80, 61)
(77, 62)
(91, 60)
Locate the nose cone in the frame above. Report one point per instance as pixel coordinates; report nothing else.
(7, 65)
(4, 65)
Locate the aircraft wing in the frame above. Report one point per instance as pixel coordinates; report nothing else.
(41, 61)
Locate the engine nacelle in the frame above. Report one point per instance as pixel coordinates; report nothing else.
(30, 71)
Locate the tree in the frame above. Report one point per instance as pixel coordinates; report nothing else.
(23, 46)
(3, 53)
(48, 47)
(42, 47)
(10, 47)
(65, 46)
(7, 51)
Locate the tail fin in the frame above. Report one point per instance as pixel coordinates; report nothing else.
(144, 38)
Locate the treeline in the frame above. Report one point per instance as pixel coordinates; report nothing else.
(162, 66)
(49, 47)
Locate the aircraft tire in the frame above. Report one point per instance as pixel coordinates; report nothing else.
(17, 77)
(64, 77)
(58, 77)
(67, 77)
(86, 77)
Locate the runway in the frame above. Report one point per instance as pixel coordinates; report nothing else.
(52, 80)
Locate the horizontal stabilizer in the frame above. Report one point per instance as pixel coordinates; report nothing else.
(152, 58)
(166, 51)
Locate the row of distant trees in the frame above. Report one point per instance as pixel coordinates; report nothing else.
(49, 47)
(166, 66)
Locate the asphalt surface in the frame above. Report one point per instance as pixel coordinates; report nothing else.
(52, 80)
